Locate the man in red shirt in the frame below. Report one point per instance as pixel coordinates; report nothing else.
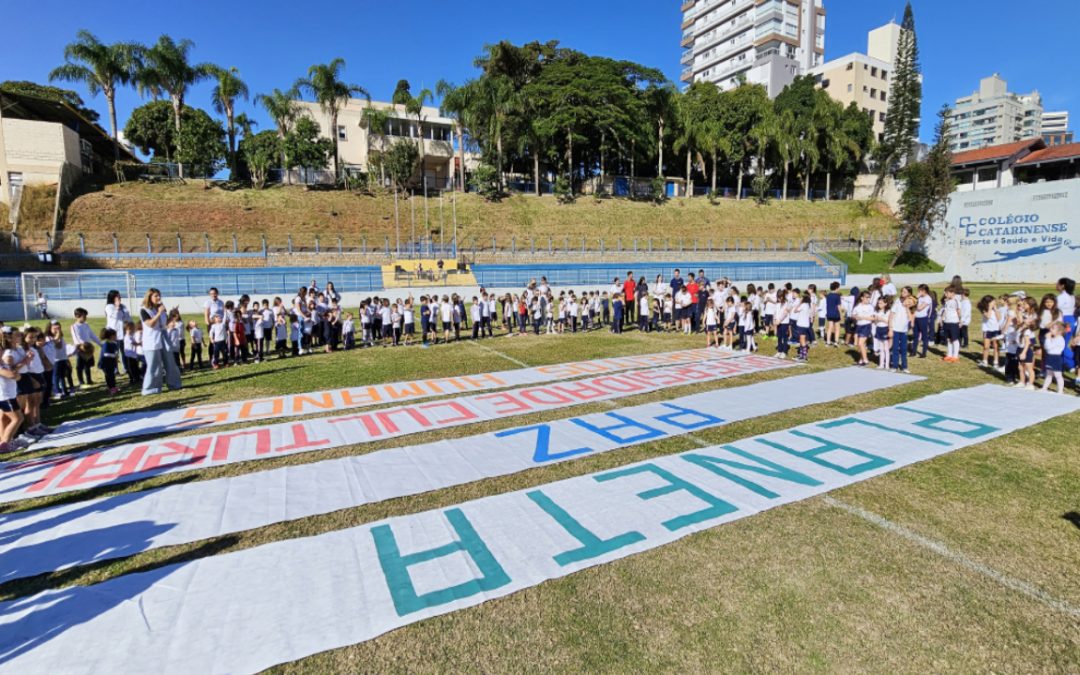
(629, 286)
(692, 288)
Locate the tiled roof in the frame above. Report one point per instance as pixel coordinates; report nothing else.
(996, 152)
(1055, 153)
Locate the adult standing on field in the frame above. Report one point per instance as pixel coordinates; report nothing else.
(1066, 303)
(629, 289)
(213, 308)
(160, 364)
(116, 313)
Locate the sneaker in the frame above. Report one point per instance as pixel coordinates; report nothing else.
(984, 364)
(7, 447)
(36, 432)
(1000, 369)
(906, 371)
(1030, 387)
(24, 441)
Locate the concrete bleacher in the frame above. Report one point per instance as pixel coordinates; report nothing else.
(413, 273)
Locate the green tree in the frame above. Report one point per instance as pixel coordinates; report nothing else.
(414, 106)
(747, 105)
(260, 151)
(166, 69)
(928, 186)
(324, 82)
(485, 181)
(661, 105)
(376, 121)
(454, 103)
(401, 161)
(283, 109)
(228, 89)
(201, 143)
(65, 96)
(304, 147)
(151, 129)
(898, 144)
(102, 68)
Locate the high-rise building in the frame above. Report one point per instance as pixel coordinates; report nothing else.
(864, 79)
(994, 116)
(1055, 128)
(767, 42)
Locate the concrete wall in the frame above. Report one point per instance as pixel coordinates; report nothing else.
(37, 150)
(1024, 233)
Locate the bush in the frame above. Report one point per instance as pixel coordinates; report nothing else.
(760, 187)
(564, 192)
(657, 191)
(485, 182)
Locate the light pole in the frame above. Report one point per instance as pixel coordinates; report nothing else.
(397, 226)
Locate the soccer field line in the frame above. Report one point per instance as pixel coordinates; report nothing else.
(959, 558)
(509, 358)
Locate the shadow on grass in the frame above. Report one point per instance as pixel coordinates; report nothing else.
(1073, 517)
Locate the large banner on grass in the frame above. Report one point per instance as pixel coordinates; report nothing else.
(160, 422)
(252, 609)
(94, 468)
(64, 536)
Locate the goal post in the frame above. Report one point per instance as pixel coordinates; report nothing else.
(63, 291)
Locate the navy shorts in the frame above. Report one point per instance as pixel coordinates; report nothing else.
(832, 317)
(952, 331)
(410, 328)
(1029, 357)
(711, 328)
(1054, 363)
(767, 320)
(989, 335)
(9, 405)
(863, 331)
(28, 384)
(800, 331)
(881, 332)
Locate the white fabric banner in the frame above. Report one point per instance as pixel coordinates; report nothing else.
(125, 463)
(159, 422)
(252, 609)
(55, 538)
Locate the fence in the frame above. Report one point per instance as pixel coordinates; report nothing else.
(598, 274)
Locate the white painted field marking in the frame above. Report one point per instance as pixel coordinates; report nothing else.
(964, 561)
(496, 352)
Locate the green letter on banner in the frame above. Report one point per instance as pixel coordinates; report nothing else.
(872, 461)
(764, 467)
(396, 566)
(717, 507)
(593, 545)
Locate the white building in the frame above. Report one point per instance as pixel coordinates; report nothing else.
(1055, 128)
(768, 42)
(994, 116)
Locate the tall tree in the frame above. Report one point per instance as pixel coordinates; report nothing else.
(283, 109)
(375, 121)
(166, 69)
(747, 105)
(102, 68)
(228, 89)
(898, 145)
(414, 106)
(661, 101)
(332, 93)
(454, 103)
(927, 187)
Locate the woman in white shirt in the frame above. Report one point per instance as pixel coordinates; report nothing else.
(863, 315)
(160, 364)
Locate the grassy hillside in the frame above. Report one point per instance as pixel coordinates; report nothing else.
(133, 210)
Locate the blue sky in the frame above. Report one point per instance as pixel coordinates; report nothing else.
(273, 42)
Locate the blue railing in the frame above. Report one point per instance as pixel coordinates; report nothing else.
(834, 266)
(585, 274)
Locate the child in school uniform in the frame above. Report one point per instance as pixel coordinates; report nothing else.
(348, 332)
(862, 314)
(712, 321)
(881, 333)
(219, 343)
(281, 334)
(58, 354)
(1011, 340)
(1053, 357)
(82, 336)
(175, 328)
(643, 313)
(616, 313)
(108, 362)
(296, 335)
(1026, 355)
(991, 330)
(196, 355)
(749, 327)
(730, 323)
(950, 321)
(803, 318)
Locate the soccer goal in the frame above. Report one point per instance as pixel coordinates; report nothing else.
(42, 289)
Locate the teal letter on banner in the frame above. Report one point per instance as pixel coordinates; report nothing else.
(872, 461)
(764, 467)
(702, 420)
(717, 507)
(976, 430)
(593, 545)
(855, 420)
(543, 441)
(644, 432)
(396, 566)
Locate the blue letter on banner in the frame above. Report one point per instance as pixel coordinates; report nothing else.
(764, 467)
(543, 441)
(703, 420)
(396, 566)
(645, 432)
(717, 507)
(593, 545)
(872, 461)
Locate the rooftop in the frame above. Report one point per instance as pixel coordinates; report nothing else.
(1057, 153)
(996, 153)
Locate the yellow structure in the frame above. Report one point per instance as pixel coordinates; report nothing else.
(426, 273)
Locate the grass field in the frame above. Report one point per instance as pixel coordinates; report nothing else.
(806, 587)
(875, 262)
(133, 210)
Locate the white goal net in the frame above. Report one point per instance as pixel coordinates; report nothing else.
(58, 293)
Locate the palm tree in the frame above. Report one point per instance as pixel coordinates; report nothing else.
(414, 105)
(455, 104)
(102, 68)
(283, 109)
(324, 83)
(165, 69)
(245, 125)
(229, 88)
(375, 120)
(787, 144)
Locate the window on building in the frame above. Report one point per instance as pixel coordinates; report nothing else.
(988, 175)
(881, 117)
(882, 94)
(341, 133)
(865, 88)
(850, 87)
(884, 74)
(851, 66)
(965, 178)
(873, 93)
(873, 72)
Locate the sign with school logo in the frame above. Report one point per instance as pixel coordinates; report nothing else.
(1022, 233)
(245, 611)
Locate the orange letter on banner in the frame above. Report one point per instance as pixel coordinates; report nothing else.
(200, 414)
(537, 395)
(301, 400)
(617, 384)
(277, 404)
(464, 414)
(360, 396)
(301, 440)
(223, 441)
(189, 456)
(562, 370)
(125, 467)
(61, 465)
(507, 399)
(412, 391)
(483, 381)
